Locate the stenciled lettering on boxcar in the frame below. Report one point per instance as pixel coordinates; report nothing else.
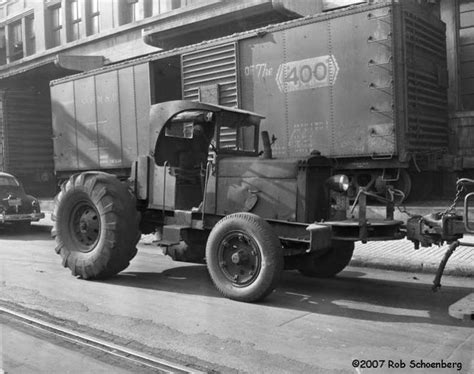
(306, 137)
(314, 72)
(260, 71)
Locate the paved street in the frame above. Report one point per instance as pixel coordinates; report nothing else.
(306, 326)
(26, 350)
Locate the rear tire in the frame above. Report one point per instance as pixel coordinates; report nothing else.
(330, 263)
(244, 257)
(95, 225)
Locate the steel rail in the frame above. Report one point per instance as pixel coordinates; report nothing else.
(158, 364)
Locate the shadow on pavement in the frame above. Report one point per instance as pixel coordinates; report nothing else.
(34, 232)
(350, 294)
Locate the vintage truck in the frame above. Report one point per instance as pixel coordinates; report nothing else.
(245, 213)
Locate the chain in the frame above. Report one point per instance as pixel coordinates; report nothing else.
(459, 191)
(403, 209)
(451, 209)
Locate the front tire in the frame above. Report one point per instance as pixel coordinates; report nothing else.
(330, 263)
(244, 257)
(95, 225)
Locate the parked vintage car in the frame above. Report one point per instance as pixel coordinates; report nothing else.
(16, 207)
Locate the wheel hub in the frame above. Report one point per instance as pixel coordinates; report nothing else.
(239, 258)
(85, 226)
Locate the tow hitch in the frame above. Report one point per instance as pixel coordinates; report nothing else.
(446, 227)
(432, 229)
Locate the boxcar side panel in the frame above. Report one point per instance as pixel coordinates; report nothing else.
(141, 86)
(308, 74)
(324, 85)
(101, 121)
(108, 121)
(128, 123)
(86, 123)
(260, 58)
(64, 127)
(362, 99)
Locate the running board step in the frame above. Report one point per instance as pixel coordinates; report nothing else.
(172, 235)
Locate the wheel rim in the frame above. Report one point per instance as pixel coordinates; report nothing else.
(239, 258)
(85, 226)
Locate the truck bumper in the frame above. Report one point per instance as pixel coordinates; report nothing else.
(321, 237)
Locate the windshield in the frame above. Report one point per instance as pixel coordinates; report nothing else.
(237, 134)
(7, 181)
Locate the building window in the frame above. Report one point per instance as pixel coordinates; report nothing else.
(30, 38)
(147, 8)
(128, 11)
(16, 41)
(466, 55)
(74, 18)
(56, 25)
(175, 4)
(3, 47)
(93, 19)
(163, 6)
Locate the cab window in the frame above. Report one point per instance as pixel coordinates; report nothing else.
(237, 134)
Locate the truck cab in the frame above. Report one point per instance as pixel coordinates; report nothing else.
(205, 158)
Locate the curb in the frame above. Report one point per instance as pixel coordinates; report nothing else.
(406, 266)
(463, 309)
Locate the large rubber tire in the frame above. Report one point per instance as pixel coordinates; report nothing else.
(244, 257)
(330, 263)
(95, 225)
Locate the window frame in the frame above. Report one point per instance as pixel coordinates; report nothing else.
(55, 29)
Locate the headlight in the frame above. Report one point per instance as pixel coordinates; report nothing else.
(338, 183)
(35, 205)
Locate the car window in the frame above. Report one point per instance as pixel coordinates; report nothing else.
(8, 181)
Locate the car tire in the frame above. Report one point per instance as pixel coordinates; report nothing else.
(244, 257)
(330, 263)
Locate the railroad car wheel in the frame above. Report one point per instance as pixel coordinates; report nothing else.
(95, 225)
(404, 183)
(244, 257)
(330, 263)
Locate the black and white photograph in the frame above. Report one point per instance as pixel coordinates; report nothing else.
(236, 186)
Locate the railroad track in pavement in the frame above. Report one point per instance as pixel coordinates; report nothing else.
(146, 361)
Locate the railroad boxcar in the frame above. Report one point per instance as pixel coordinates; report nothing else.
(364, 86)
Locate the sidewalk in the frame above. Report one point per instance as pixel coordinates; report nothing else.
(393, 255)
(401, 255)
